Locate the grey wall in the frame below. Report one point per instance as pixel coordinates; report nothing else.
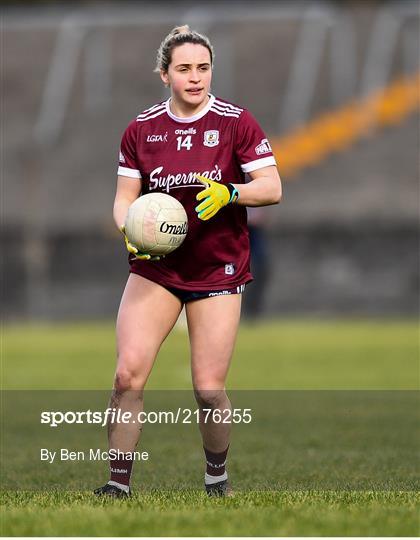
(344, 240)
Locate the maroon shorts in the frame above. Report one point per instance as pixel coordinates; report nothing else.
(189, 296)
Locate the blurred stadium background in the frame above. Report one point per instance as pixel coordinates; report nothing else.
(335, 86)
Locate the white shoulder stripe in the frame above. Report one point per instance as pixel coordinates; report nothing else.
(144, 115)
(227, 105)
(151, 109)
(151, 116)
(231, 109)
(220, 108)
(224, 104)
(217, 107)
(224, 113)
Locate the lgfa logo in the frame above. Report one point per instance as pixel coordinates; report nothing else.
(157, 138)
(211, 137)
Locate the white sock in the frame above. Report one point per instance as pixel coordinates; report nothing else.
(209, 479)
(121, 486)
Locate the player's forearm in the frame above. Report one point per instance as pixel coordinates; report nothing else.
(128, 189)
(120, 211)
(262, 191)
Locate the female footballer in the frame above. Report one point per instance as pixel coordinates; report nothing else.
(197, 148)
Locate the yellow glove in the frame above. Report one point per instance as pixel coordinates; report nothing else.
(131, 248)
(215, 196)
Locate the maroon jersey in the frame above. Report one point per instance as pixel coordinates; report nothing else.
(222, 142)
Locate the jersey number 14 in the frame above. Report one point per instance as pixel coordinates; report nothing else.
(184, 142)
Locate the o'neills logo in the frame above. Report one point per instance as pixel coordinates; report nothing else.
(190, 131)
(170, 228)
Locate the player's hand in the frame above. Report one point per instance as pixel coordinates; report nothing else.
(131, 248)
(215, 196)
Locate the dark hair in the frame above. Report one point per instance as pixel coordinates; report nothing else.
(178, 36)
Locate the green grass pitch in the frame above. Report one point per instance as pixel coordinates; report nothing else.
(286, 355)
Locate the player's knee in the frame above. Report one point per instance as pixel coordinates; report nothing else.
(128, 380)
(209, 399)
(123, 380)
(128, 376)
